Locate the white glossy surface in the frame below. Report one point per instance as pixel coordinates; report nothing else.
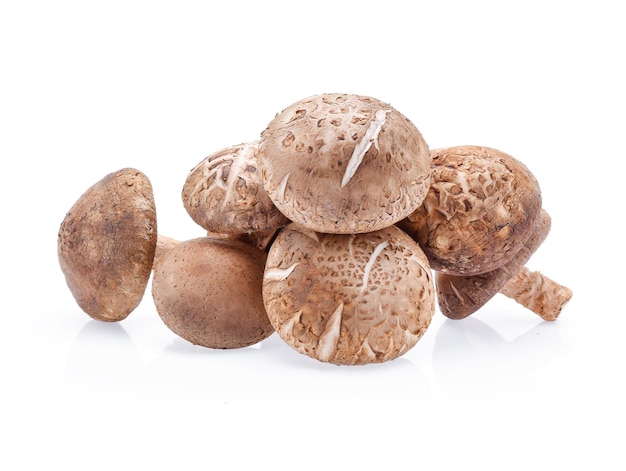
(87, 90)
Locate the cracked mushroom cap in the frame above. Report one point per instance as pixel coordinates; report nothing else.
(342, 164)
(480, 209)
(106, 245)
(348, 299)
(224, 193)
(208, 292)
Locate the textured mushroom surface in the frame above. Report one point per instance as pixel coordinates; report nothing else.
(261, 239)
(339, 163)
(348, 299)
(461, 296)
(209, 291)
(258, 239)
(479, 211)
(106, 245)
(224, 193)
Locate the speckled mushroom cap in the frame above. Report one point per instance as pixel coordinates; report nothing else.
(342, 164)
(106, 245)
(348, 299)
(479, 211)
(224, 193)
(208, 291)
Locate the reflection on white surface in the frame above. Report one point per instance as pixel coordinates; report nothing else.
(158, 87)
(472, 360)
(104, 358)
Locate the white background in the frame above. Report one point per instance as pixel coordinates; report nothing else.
(91, 87)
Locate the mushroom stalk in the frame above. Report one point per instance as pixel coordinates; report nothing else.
(461, 296)
(537, 292)
(163, 244)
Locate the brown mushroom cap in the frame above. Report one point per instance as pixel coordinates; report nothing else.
(461, 296)
(348, 299)
(343, 164)
(479, 211)
(106, 245)
(224, 193)
(208, 291)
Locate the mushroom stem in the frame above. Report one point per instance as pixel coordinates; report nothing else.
(163, 244)
(540, 294)
(461, 296)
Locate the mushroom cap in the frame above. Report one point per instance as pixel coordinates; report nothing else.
(343, 164)
(224, 193)
(106, 245)
(348, 299)
(461, 296)
(480, 209)
(208, 292)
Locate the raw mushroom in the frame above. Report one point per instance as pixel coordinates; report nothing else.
(224, 193)
(259, 239)
(343, 164)
(348, 299)
(480, 209)
(535, 291)
(208, 292)
(164, 243)
(106, 245)
(460, 296)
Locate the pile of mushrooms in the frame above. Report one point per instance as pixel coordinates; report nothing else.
(332, 230)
